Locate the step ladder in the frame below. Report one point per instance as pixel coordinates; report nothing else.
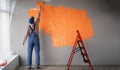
(79, 46)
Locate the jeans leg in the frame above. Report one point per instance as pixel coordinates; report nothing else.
(37, 52)
(30, 50)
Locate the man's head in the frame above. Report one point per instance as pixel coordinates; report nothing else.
(31, 20)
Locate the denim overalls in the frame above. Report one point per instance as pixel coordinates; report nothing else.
(33, 42)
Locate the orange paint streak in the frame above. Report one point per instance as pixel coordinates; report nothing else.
(61, 24)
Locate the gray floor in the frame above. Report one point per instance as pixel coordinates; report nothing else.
(72, 68)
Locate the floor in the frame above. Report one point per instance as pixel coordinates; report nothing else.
(72, 68)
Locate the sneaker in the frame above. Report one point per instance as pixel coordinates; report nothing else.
(28, 67)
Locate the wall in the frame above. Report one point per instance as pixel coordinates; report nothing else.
(103, 48)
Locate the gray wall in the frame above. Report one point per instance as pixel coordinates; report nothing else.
(103, 48)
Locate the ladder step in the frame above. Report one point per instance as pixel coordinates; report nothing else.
(84, 54)
(79, 41)
(80, 47)
(77, 49)
(86, 61)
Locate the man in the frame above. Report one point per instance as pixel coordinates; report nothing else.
(33, 41)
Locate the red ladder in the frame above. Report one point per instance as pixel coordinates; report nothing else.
(79, 46)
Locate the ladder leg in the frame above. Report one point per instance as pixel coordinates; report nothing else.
(70, 60)
(90, 65)
(71, 55)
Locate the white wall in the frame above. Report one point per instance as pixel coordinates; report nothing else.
(103, 48)
(4, 29)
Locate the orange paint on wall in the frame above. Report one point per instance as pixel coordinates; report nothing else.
(61, 24)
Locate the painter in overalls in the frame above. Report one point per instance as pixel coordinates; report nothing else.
(33, 41)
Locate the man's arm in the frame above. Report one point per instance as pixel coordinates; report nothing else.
(38, 18)
(27, 34)
(39, 13)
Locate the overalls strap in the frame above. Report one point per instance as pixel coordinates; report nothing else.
(31, 28)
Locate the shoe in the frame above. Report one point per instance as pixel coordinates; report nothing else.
(38, 67)
(28, 67)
